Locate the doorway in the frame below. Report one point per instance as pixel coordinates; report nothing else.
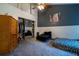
(24, 25)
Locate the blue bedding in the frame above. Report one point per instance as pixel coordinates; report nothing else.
(69, 43)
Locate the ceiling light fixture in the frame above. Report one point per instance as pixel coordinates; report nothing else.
(42, 6)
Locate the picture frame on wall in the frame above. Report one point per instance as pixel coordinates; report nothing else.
(54, 18)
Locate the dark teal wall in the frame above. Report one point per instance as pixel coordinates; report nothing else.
(69, 15)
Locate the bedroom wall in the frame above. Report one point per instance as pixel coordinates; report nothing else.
(68, 25)
(6, 8)
(71, 32)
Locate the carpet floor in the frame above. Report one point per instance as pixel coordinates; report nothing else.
(30, 47)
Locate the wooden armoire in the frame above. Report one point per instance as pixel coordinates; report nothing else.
(8, 34)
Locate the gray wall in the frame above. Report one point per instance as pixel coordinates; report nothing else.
(69, 15)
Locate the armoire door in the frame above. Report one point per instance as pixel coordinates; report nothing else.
(4, 34)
